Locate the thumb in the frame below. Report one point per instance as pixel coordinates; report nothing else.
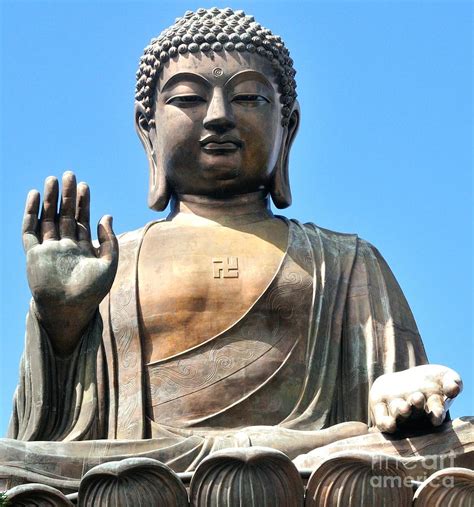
(452, 383)
(108, 248)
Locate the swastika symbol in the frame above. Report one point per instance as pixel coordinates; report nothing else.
(225, 267)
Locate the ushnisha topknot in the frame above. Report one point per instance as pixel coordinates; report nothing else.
(208, 30)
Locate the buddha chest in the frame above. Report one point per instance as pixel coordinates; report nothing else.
(197, 280)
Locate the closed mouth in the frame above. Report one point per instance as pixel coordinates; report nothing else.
(220, 144)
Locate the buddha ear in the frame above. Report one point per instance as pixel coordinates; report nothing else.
(158, 189)
(280, 185)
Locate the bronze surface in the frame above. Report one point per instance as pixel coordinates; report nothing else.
(222, 326)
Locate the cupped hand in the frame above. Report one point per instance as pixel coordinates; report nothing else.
(67, 275)
(413, 394)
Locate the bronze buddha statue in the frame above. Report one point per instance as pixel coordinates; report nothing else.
(223, 325)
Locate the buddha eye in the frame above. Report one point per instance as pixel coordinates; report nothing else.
(250, 99)
(185, 100)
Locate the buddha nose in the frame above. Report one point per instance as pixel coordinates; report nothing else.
(220, 116)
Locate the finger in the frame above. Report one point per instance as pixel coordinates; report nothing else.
(108, 248)
(30, 220)
(452, 384)
(383, 420)
(417, 400)
(399, 408)
(48, 211)
(435, 409)
(83, 212)
(67, 213)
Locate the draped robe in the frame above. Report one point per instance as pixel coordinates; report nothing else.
(311, 362)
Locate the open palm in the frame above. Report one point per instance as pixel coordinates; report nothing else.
(67, 275)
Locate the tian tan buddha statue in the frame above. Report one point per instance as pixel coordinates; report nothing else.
(222, 325)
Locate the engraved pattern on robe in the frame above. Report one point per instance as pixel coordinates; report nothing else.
(263, 352)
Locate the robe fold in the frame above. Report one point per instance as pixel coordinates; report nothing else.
(350, 324)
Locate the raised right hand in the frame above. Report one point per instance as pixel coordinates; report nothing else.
(67, 275)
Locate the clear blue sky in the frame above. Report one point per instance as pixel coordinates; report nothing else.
(384, 150)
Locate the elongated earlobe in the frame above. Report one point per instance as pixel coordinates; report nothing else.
(280, 186)
(280, 189)
(158, 189)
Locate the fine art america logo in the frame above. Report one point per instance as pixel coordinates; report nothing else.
(416, 471)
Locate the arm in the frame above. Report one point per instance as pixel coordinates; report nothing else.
(380, 324)
(57, 395)
(379, 333)
(58, 398)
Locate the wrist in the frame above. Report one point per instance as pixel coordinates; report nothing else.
(64, 326)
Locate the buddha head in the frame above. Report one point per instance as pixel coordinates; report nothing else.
(216, 109)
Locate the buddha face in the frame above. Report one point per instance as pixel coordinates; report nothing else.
(218, 125)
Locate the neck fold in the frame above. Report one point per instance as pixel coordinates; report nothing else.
(244, 208)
